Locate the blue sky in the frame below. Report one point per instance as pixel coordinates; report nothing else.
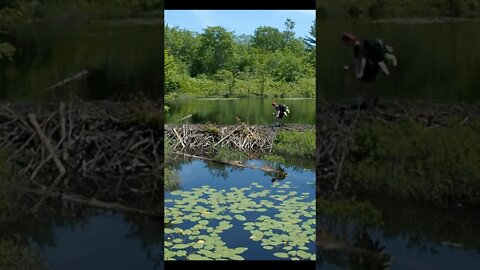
(240, 21)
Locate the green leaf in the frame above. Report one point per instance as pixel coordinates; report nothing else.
(240, 217)
(240, 250)
(303, 254)
(281, 255)
(181, 253)
(196, 257)
(203, 222)
(180, 246)
(177, 240)
(237, 258)
(177, 221)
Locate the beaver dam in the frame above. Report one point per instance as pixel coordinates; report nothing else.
(242, 137)
(423, 135)
(102, 154)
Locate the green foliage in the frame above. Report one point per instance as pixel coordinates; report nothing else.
(212, 129)
(215, 51)
(144, 112)
(350, 210)
(286, 233)
(377, 9)
(17, 256)
(227, 154)
(311, 40)
(78, 9)
(216, 63)
(295, 143)
(171, 179)
(411, 161)
(6, 51)
(268, 38)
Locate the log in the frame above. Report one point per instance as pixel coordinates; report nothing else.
(47, 143)
(179, 139)
(77, 76)
(188, 116)
(94, 202)
(231, 163)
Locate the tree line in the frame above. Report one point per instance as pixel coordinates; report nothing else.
(381, 9)
(217, 62)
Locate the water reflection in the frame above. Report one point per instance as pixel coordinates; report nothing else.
(120, 60)
(408, 237)
(97, 240)
(427, 69)
(249, 110)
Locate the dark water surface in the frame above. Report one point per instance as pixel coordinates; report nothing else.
(439, 61)
(411, 237)
(120, 59)
(197, 174)
(250, 110)
(97, 242)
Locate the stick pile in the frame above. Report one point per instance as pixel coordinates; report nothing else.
(83, 150)
(336, 125)
(242, 137)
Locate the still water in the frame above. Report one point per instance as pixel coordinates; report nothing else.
(97, 241)
(257, 195)
(120, 60)
(250, 110)
(411, 237)
(439, 61)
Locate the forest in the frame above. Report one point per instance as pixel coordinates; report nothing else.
(384, 9)
(219, 63)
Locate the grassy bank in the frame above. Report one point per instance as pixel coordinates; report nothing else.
(79, 9)
(15, 256)
(202, 87)
(295, 144)
(412, 162)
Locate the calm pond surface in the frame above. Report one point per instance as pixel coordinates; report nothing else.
(233, 213)
(413, 237)
(121, 60)
(100, 241)
(438, 61)
(250, 110)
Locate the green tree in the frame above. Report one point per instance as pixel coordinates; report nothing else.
(288, 33)
(181, 43)
(311, 40)
(268, 38)
(215, 51)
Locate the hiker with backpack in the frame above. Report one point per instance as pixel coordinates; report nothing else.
(370, 57)
(281, 110)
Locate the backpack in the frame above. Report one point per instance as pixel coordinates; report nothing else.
(385, 52)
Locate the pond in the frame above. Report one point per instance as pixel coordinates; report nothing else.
(411, 237)
(225, 212)
(121, 59)
(97, 241)
(250, 110)
(436, 61)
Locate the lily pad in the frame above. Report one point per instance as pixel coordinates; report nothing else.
(281, 255)
(240, 217)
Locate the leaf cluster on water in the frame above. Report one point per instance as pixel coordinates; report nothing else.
(196, 220)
